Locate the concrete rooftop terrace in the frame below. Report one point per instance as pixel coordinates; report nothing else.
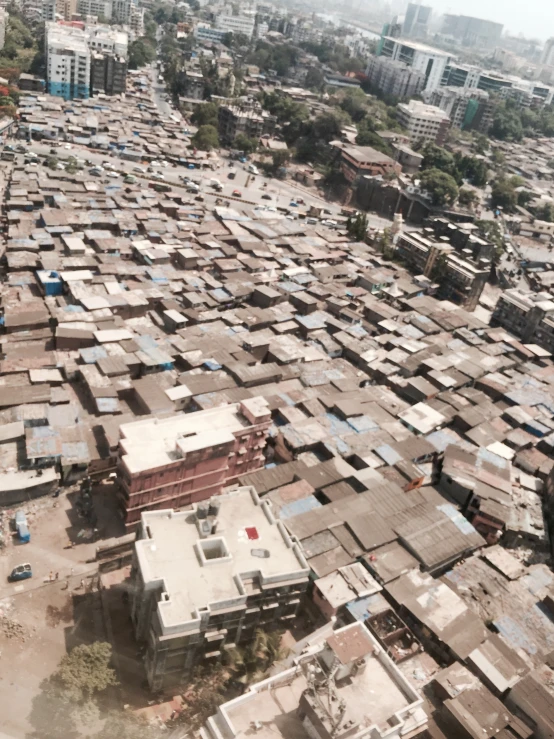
(152, 442)
(377, 696)
(170, 557)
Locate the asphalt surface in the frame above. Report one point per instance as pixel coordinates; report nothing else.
(257, 190)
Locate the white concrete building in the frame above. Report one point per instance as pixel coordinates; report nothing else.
(108, 40)
(235, 24)
(343, 685)
(424, 122)
(205, 32)
(433, 63)
(99, 8)
(136, 22)
(3, 23)
(67, 62)
(207, 578)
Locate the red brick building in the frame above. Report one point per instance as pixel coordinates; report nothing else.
(189, 457)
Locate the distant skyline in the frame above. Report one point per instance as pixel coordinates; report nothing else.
(530, 18)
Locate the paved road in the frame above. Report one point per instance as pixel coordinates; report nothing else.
(261, 191)
(158, 90)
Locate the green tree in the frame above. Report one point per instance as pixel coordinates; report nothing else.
(440, 185)
(435, 157)
(506, 124)
(503, 194)
(51, 162)
(545, 213)
(492, 232)
(251, 663)
(354, 103)
(470, 168)
(481, 143)
(357, 227)
(368, 137)
(329, 124)
(314, 79)
(205, 115)
(126, 725)
(85, 672)
(141, 52)
(206, 138)
(386, 245)
(467, 198)
(280, 158)
(524, 197)
(438, 270)
(245, 144)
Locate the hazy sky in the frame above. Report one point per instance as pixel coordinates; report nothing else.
(532, 18)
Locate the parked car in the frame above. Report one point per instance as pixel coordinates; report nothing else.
(293, 204)
(23, 533)
(139, 169)
(158, 176)
(237, 194)
(231, 175)
(266, 196)
(21, 572)
(130, 179)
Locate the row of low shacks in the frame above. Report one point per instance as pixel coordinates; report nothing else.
(408, 438)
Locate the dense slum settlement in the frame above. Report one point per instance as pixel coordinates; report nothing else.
(327, 428)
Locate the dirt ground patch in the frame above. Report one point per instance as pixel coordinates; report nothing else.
(41, 620)
(51, 619)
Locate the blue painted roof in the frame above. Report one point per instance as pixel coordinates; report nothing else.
(360, 424)
(296, 507)
(364, 608)
(386, 452)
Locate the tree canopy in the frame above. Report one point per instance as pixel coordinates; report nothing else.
(467, 197)
(141, 53)
(503, 193)
(458, 166)
(205, 115)
(85, 671)
(315, 79)
(440, 185)
(357, 227)
(245, 144)
(506, 124)
(206, 138)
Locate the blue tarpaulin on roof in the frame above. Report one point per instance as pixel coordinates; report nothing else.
(296, 507)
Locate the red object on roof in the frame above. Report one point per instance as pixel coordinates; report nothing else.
(252, 532)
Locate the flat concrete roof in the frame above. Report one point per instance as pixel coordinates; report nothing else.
(152, 443)
(170, 558)
(372, 696)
